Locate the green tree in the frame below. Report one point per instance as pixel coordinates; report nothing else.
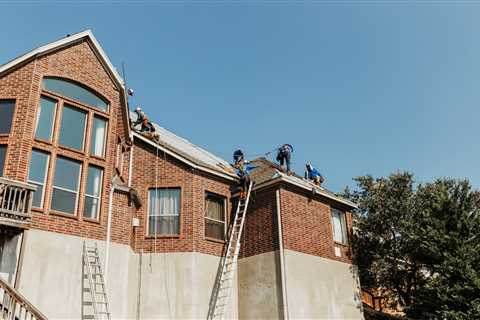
(419, 244)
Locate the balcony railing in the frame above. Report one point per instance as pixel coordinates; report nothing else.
(15, 203)
(13, 306)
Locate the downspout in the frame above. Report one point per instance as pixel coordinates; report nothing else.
(109, 227)
(130, 160)
(282, 258)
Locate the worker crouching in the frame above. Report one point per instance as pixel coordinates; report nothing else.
(313, 175)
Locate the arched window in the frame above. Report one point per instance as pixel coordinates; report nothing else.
(72, 90)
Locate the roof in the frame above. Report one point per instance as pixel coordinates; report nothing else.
(266, 173)
(188, 152)
(67, 41)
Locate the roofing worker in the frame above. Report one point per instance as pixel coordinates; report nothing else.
(242, 169)
(284, 154)
(142, 119)
(314, 175)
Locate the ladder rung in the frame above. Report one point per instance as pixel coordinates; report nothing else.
(88, 317)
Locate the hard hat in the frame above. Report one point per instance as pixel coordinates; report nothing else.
(130, 91)
(138, 109)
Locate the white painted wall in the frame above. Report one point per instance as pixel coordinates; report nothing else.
(319, 288)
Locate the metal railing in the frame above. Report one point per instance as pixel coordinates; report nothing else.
(15, 202)
(14, 306)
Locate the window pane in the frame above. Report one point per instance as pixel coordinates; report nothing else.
(167, 202)
(67, 174)
(214, 229)
(99, 133)
(164, 225)
(38, 166)
(72, 90)
(339, 226)
(214, 207)
(37, 200)
(64, 201)
(94, 182)
(91, 207)
(7, 107)
(45, 117)
(72, 130)
(3, 153)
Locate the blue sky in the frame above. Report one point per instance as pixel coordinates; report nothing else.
(356, 88)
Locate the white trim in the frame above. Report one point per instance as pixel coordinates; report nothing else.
(282, 257)
(62, 43)
(184, 160)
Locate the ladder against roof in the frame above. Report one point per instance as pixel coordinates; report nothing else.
(14, 306)
(97, 297)
(224, 285)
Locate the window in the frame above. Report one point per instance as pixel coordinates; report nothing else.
(45, 119)
(74, 91)
(99, 134)
(7, 107)
(164, 211)
(339, 226)
(65, 186)
(214, 216)
(72, 129)
(38, 175)
(93, 192)
(3, 153)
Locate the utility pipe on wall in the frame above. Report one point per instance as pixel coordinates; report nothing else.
(282, 258)
(130, 161)
(109, 227)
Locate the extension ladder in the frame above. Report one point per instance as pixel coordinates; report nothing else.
(91, 262)
(225, 282)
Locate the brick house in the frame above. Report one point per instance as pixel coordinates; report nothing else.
(158, 211)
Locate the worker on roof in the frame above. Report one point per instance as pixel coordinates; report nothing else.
(242, 168)
(313, 174)
(284, 155)
(142, 119)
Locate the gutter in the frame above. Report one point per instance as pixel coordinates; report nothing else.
(282, 258)
(190, 163)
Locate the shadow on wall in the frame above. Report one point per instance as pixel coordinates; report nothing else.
(357, 296)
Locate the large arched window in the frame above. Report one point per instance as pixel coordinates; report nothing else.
(72, 90)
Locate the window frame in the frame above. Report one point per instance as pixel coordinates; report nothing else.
(180, 209)
(14, 113)
(79, 186)
(343, 226)
(85, 127)
(37, 118)
(2, 169)
(105, 138)
(99, 197)
(45, 178)
(224, 222)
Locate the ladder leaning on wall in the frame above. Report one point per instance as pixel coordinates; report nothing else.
(226, 280)
(94, 275)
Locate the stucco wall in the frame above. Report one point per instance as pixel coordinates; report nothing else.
(259, 287)
(319, 288)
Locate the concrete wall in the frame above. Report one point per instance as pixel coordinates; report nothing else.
(51, 276)
(179, 286)
(173, 285)
(259, 287)
(319, 288)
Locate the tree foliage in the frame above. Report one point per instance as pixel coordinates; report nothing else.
(419, 244)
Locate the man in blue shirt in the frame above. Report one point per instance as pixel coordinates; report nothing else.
(314, 175)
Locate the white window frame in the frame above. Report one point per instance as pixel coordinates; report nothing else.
(44, 183)
(157, 213)
(215, 220)
(77, 193)
(343, 225)
(99, 197)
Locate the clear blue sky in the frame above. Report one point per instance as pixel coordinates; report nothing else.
(357, 88)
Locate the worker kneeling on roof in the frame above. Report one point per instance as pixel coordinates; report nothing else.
(147, 129)
(314, 175)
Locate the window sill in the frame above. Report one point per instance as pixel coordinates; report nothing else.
(341, 244)
(91, 220)
(42, 141)
(215, 240)
(164, 236)
(98, 157)
(38, 210)
(63, 214)
(65, 148)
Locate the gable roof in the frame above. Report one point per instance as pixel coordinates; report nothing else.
(187, 152)
(266, 173)
(67, 41)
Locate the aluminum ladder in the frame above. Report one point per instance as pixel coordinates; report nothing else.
(229, 265)
(91, 263)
